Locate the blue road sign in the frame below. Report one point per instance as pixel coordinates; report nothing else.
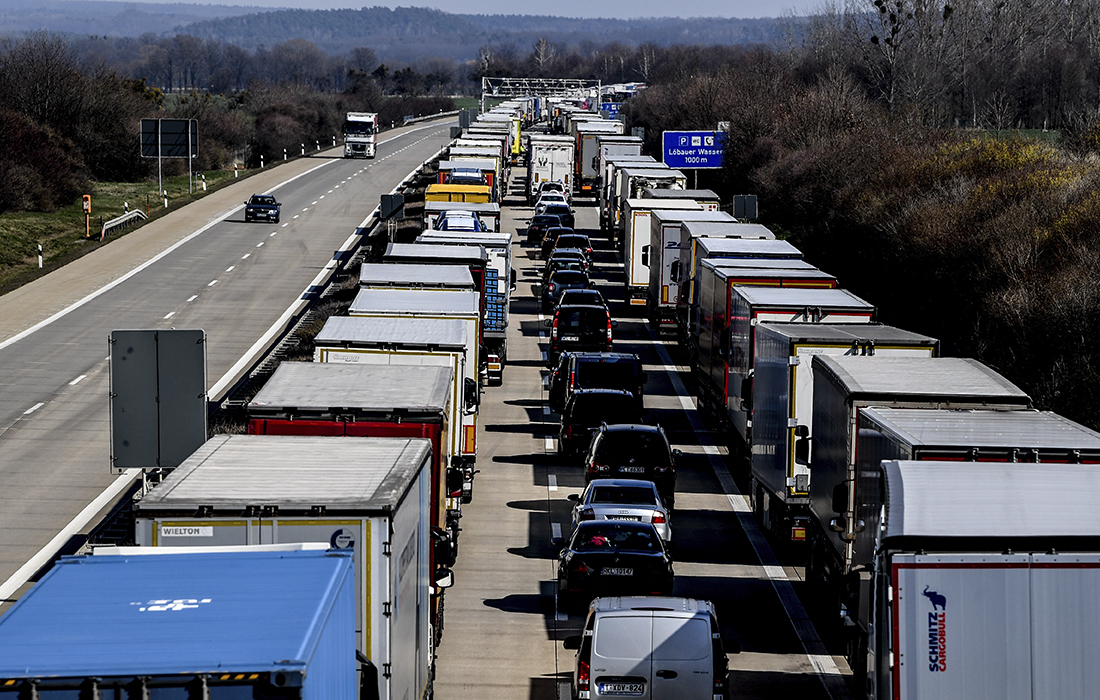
(693, 149)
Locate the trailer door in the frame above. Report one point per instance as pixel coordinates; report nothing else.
(1065, 626)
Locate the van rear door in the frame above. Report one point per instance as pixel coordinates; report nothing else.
(621, 659)
(682, 667)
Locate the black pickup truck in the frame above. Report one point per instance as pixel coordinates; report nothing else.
(261, 207)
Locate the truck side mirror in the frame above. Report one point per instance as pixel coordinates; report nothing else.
(746, 394)
(444, 578)
(368, 677)
(472, 394)
(840, 498)
(645, 255)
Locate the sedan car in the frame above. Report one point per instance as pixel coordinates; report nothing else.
(562, 254)
(633, 451)
(613, 557)
(560, 281)
(622, 499)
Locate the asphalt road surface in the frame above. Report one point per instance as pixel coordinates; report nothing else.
(199, 267)
(502, 635)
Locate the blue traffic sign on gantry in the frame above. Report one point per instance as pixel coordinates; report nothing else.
(693, 149)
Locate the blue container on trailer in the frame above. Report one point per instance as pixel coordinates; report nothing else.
(183, 626)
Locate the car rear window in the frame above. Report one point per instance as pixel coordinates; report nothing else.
(557, 209)
(593, 408)
(585, 320)
(543, 220)
(623, 637)
(573, 241)
(681, 639)
(623, 495)
(581, 296)
(624, 445)
(609, 537)
(569, 276)
(607, 375)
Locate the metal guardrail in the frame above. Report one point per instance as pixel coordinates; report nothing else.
(124, 220)
(413, 120)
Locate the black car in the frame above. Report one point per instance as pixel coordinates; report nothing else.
(560, 281)
(563, 212)
(579, 328)
(561, 256)
(536, 230)
(262, 206)
(587, 409)
(633, 451)
(574, 240)
(613, 557)
(551, 238)
(597, 370)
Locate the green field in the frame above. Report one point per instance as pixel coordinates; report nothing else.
(62, 233)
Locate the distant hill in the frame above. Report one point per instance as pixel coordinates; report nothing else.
(113, 19)
(408, 33)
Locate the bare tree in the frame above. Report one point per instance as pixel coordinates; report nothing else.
(544, 55)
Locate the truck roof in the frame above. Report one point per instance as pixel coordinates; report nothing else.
(776, 263)
(704, 195)
(479, 163)
(795, 297)
(651, 170)
(409, 274)
(677, 203)
(1023, 429)
(432, 207)
(771, 273)
(671, 216)
(488, 239)
(294, 472)
(405, 252)
(339, 387)
(426, 333)
(747, 247)
(990, 499)
(726, 229)
(919, 376)
(421, 301)
(89, 617)
(844, 333)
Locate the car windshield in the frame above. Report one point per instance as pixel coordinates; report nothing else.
(607, 375)
(569, 276)
(625, 446)
(263, 199)
(623, 495)
(593, 408)
(582, 319)
(610, 536)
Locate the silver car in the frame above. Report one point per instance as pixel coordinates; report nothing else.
(623, 499)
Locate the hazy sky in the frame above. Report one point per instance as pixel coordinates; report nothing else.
(620, 9)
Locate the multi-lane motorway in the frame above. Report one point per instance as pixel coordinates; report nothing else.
(200, 267)
(503, 632)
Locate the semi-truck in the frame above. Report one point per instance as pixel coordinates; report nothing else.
(730, 308)
(488, 213)
(500, 281)
(588, 151)
(664, 262)
(707, 198)
(609, 146)
(367, 495)
(218, 624)
(607, 182)
(636, 224)
(984, 582)
(486, 166)
(549, 159)
(782, 408)
(474, 257)
(407, 275)
(360, 134)
(629, 185)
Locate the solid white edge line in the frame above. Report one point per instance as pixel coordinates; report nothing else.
(16, 580)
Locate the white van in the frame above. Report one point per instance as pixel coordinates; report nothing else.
(650, 648)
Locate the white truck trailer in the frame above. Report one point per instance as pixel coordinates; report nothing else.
(368, 495)
(549, 159)
(636, 224)
(360, 135)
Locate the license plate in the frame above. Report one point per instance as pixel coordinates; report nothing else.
(632, 470)
(616, 571)
(570, 338)
(622, 688)
(636, 518)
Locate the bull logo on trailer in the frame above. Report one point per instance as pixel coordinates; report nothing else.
(937, 631)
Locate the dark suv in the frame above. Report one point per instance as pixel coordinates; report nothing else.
(579, 328)
(596, 370)
(536, 230)
(587, 409)
(633, 451)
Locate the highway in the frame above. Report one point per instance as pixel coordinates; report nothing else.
(199, 267)
(503, 634)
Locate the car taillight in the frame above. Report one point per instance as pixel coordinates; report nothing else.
(581, 568)
(609, 328)
(554, 330)
(597, 468)
(659, 519)
(553, 286)
(588, 514)
(582, 676)
(568, 431)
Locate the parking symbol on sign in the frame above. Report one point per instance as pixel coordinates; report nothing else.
(683, 140)
(696, 140)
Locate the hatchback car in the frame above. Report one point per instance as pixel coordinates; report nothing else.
(647, 647)
(587, 409)
(536, 229)
(578, 329)
(560, 281)
(598, 370)
(633, 451)
(622, 499)
(613, 557)
(551, 238)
